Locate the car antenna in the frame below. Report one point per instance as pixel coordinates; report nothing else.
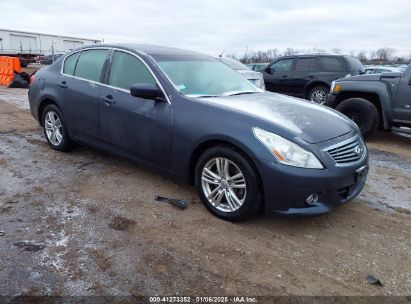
(221, 55)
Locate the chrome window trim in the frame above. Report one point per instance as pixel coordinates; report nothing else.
(344, 142)
(107, 85)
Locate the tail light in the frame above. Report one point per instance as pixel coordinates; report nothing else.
(32, 78)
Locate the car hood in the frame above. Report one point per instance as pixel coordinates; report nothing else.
(249, 74)
(311, 122)
(364, 77)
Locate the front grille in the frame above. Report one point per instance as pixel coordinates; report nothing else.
(348, 151)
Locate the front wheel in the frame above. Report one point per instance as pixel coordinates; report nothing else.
(362, 112)
(227, 184)
(55, 128)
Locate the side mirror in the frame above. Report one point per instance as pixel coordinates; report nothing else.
(268, 69)
(146, 91)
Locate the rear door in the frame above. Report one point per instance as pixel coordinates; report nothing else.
(137, 126)
(80, 84)
(277, 76)
(402, 110)
(302, 73)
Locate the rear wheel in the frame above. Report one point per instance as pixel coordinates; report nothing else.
(362, 112)
(227, 184)
(318, 94)
(55, 128)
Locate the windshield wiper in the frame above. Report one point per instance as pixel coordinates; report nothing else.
(232, 93)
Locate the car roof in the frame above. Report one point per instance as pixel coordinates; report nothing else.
(313, 55)
(147, 49)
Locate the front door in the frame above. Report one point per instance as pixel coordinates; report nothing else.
(402, 111)
(277, 76)
(137, 126)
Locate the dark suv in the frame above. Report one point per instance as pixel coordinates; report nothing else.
(309, 76)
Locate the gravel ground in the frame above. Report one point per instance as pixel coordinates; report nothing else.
(86, 223)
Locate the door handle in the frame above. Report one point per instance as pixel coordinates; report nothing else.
(63, 85)
(311, 76)
(108, 100)
(285, 76)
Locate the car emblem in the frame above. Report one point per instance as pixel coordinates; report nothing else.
(357, 150)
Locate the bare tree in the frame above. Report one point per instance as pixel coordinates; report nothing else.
(385, 54)
(273, 54)
(337, 50)
(290, 51)
(362, 56)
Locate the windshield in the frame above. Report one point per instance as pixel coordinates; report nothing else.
(234, 64)
(203, 76)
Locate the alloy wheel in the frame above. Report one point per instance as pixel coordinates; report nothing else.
(319, 96)
(223, 184)
(54, 128)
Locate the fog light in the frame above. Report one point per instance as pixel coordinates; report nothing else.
(312, 199)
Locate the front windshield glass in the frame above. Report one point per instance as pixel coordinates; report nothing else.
(196, 76)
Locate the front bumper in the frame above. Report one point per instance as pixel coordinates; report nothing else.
(331, 100)
(287, 188)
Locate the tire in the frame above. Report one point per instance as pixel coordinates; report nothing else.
(245, 202)
(61, 139)
(362, 112)
(318, 94)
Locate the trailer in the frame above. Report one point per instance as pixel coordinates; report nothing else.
(28, 45)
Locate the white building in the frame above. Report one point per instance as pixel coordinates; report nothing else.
(28, 43)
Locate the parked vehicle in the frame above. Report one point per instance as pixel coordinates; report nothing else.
(309, 76)
(256, 78)
(375, 100)
(188, 114)
(378, 69)
(258, 67)
(401, 67)
(48, 59)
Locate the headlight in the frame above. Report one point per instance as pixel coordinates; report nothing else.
(287, 152)
(332, 86)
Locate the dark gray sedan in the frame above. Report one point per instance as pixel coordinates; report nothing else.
(246, 150)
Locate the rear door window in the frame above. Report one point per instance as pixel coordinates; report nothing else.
(127, 70)
(331, 64)
(283, 65)
(70, 64)
(90, 64)
(305, 65)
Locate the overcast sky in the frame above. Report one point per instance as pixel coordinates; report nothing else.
(212, 26)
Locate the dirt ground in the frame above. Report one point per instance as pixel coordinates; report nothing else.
(86, 223)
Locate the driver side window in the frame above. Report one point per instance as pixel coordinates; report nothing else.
(127, 70)
(283, 65)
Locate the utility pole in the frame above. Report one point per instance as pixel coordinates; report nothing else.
(246, 52)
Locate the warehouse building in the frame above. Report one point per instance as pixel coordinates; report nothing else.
(19, 43)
